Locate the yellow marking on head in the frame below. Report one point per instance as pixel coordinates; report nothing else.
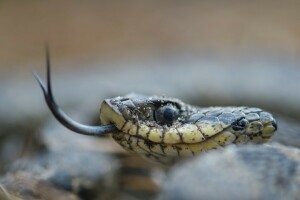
(124, 141)
(133, 130)
(170, 150)
(254, 127)
(208, 128)
(143, 130)
(110, 116)
(172, 136)
(268, 131)
(224, 138)
(137, 148)
(196, 148)
(184, 149)
(210, 144)
(257, 139)
(155, 134)
(190, 133)
(242, 139)
(127, 127)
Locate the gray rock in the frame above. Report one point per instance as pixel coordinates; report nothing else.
(243, 172)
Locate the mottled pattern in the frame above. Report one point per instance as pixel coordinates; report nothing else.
(193, 130)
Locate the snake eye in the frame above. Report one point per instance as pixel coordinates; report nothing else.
(166, 114)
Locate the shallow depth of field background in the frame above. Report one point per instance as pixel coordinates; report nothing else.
(224, 52)
(204, 52)
(110, 31)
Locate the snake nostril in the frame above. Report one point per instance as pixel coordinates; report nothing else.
(240, 124)
(237, 128)
(243, 122)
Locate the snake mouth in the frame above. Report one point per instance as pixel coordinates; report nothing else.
(145, 146)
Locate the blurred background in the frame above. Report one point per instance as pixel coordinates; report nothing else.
(203, 52)
(232, 52)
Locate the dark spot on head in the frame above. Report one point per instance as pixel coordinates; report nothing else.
(237, 128)
(242, 122)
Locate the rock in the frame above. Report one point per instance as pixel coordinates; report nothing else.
(238, 172)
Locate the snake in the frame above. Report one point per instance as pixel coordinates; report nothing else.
(166, 129)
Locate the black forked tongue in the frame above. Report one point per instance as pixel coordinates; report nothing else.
(61, 116)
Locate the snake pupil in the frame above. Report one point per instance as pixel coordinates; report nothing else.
(169, 114)
(166, 114)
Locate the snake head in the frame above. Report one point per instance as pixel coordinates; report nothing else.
(163, 128)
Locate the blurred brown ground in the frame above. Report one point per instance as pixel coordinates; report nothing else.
(137, 29)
